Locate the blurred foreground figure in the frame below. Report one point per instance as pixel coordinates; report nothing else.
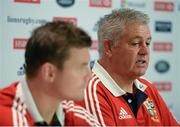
(116, 94)
(56, 66)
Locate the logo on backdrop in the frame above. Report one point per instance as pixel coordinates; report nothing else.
(163, 85)
(26, 20)
(163, 26)
(21, 70)
(162, 66)
(19, 43)
(69, 19)
(179, 6)
(28, 1)
(163, 46)
(91, 64)
(100, 3)
(131, 4)
(65, 3)
(164, 6)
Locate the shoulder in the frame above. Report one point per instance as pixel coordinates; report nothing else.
(93, 79)
(95, 83)
(7, 95)
(77, 116)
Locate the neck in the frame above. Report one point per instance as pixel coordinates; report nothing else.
(46, 105)
(124, 83)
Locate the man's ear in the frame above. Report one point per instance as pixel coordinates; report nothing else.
(48, 72)
(107, 47)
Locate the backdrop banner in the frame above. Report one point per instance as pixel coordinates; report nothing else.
(20, 17)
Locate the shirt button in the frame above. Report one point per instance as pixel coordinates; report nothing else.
(129, 100)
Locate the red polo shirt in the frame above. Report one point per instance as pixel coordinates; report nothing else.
(112, 106)
(17, 108)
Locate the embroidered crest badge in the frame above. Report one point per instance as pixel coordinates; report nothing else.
(151, 109)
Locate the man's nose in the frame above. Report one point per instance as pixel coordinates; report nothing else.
(144, 49)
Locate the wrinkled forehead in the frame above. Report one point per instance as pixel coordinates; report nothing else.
(136, 29)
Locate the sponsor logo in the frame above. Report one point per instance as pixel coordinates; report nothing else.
(164, 6)
(28, 1)
(123, 114)
(100, 3)
(91, 64)
(21, 70)
(65, 3)
(125, 4)
(163, 46)
(19, 43)
(163, 86)
(94, 45)
(162, 66)
(26, 21)
(68, 19)
(151, 109)
(163, 26)
(179, 6)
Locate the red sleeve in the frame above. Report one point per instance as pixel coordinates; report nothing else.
(6, 97)
(5, 116)
(97, 103)
(165, 114)
(76, 115)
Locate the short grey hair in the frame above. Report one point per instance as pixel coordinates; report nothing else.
(114, 23)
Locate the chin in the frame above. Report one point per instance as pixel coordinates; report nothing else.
(137, 74)
(141, 74)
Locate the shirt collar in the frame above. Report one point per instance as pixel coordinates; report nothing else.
(31, 106)
(110, 84)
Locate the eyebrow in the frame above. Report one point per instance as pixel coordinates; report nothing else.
(138, 37)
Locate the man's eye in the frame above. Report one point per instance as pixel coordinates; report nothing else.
(135, 44)
(148, 42)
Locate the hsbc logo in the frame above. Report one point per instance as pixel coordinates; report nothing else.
(28, 1)
(67, 19)
(163, 86)
(163, 26)
(19, 43)
(100, 3)
(164, 6)
(163, 46)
